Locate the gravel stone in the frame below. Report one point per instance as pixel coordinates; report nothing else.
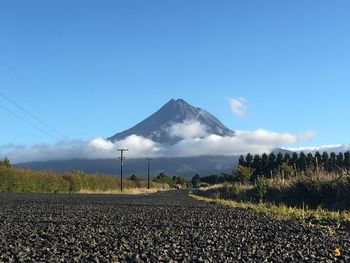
(161, 227)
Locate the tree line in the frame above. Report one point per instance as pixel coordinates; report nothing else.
(162, 178)
(268, 165)
(251, 167)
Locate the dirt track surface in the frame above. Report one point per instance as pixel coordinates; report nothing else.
(167, 227)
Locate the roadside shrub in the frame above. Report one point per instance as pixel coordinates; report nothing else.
(5, 163)
(75, 181)
(164, 180)
(286, 171)
(261, 188)
(243, 173)
(229, 191)
(135, 180)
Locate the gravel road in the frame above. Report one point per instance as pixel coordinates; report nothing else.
(165, 227)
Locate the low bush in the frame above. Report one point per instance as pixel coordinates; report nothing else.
(229, 191)
(261, 189)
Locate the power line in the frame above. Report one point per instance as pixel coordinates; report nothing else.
(27, 122)
(32, 115)
(30, 89)
(20, 77)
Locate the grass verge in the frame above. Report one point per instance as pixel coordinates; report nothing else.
(127, 191)
(283, 212)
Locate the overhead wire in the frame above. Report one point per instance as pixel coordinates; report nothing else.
(32, 115)
(28, 85)
(27, 122)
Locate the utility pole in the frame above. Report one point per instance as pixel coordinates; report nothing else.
(121, 166)
(163, 177)
(148, 169)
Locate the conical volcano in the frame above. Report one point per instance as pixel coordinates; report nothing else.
(157, 127)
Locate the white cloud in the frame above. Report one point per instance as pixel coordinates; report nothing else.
(268, 137)
(337, 148)
(63, 150)
(238, 106)
(98, 148)
(258, 141)
(139, 146)
(100, 143)
(188, 129)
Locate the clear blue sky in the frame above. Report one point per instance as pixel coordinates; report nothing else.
(94, 68)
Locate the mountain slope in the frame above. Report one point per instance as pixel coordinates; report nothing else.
(156, 127)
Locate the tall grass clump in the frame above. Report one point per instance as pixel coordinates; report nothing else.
(22, 180)
(311, 190)
(321, 189)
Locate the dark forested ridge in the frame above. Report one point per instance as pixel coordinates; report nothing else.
(185, 166)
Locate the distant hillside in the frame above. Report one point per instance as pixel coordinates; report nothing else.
(283, 151)
(204, 165)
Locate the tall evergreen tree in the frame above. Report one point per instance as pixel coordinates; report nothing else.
(272, 163)
(257, 165)
(265, 164)
(340, 160)
(347, 160)
(332, 162)
(279, 159)
(249, 160)
(294, 161)
(325, 161)
(318, 159)
(241, 161)
(286, 159)
(302, 161)
(310, 161)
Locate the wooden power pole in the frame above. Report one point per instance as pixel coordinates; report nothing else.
(121, 166)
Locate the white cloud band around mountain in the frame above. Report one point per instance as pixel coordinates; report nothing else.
(258, 141)
(188, 129)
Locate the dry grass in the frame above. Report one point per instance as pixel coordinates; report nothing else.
(311, 189)
(310, 216)
(308, 176)
(126, 191)
(211, 187)
(314, 189)
(25, 180)
(242, 187)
